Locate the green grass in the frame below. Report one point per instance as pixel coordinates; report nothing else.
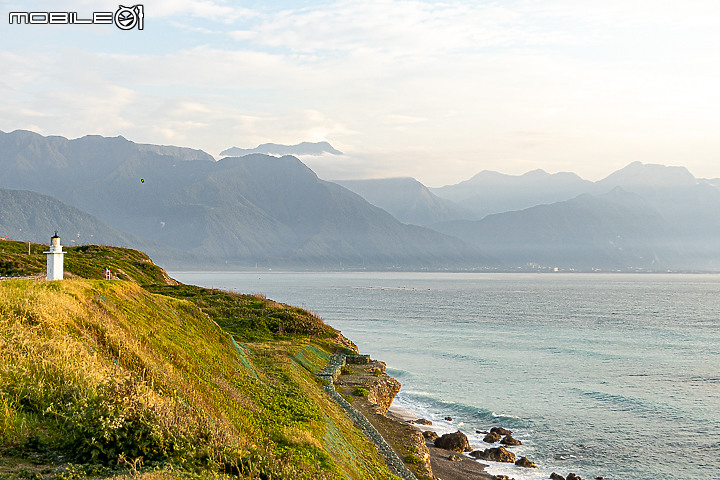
(87, 261)
(143, 379)
(251, 318)
(15, 261)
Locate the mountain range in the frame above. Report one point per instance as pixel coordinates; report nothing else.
(304, 148)
(492, 192)
(407, 200)
(641, 217)
(190, 211)
(239, 212)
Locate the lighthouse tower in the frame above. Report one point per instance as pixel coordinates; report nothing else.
(55, 259)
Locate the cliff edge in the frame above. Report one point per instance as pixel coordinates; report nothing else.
(364, 383)
(144, 377)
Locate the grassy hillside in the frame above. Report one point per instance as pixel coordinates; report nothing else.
(87, 261)
(142, 378)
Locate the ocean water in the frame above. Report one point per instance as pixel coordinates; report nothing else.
(612, 375)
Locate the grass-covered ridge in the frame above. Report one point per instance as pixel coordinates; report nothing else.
(142, 378)
(86, 261)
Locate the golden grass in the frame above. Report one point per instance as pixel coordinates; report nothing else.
(105, 370)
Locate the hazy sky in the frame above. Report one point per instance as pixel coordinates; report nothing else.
(434, 90)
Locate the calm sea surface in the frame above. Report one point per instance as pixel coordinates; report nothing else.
(602, 375)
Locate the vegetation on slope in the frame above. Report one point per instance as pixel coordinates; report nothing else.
(108, 378)
(86, 261)
(252, 318)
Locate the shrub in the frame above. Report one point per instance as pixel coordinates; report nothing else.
(361, 392)
(412, 459)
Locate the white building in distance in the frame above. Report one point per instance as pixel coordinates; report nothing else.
(55, 259)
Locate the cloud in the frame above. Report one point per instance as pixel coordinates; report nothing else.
(437, 90)
(397, 27)
(393, 119)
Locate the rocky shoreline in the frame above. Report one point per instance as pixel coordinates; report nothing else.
(412, 449)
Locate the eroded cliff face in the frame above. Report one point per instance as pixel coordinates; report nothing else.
(382, 392)
(372, 392)
(362, 372)
(346, 342)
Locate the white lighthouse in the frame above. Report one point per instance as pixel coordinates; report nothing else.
(55, 259)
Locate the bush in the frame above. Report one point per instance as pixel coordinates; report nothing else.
(361, 392)
(413, 459)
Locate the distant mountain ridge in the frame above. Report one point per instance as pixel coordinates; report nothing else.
(189, 211)
(641, 217)
(492, 192)
(407, 200)
(304, 148)
(34, 217)
(648, 175)
(618, 230)
(238, 212)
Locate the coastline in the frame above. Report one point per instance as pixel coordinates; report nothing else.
(394, 425)
(579, 384)
(442, 467)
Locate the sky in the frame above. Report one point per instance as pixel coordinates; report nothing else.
(438, 91)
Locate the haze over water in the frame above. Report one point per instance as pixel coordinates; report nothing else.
(602, 375)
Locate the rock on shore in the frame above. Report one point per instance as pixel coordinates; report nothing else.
(525, 463)
(457, 442)
(496, 454)
(383, 392)
(510, 441)
(500, 431)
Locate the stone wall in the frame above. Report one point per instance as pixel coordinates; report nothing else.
(330, 373)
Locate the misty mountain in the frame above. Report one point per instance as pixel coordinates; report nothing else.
(236, 212)
(690, 205)
(189, 211)
(407, 200)
(281, 212)
(641, 176)
(178, 153)
(55, 165)
(492, 192)
(304, 148)
(34, 217)
(715, 182)
(618, 230)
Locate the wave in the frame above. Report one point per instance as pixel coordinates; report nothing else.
(637, 406)
(472, 416)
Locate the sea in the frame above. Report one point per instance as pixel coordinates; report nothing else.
(603, 375)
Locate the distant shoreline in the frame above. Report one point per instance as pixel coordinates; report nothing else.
(271, 271)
